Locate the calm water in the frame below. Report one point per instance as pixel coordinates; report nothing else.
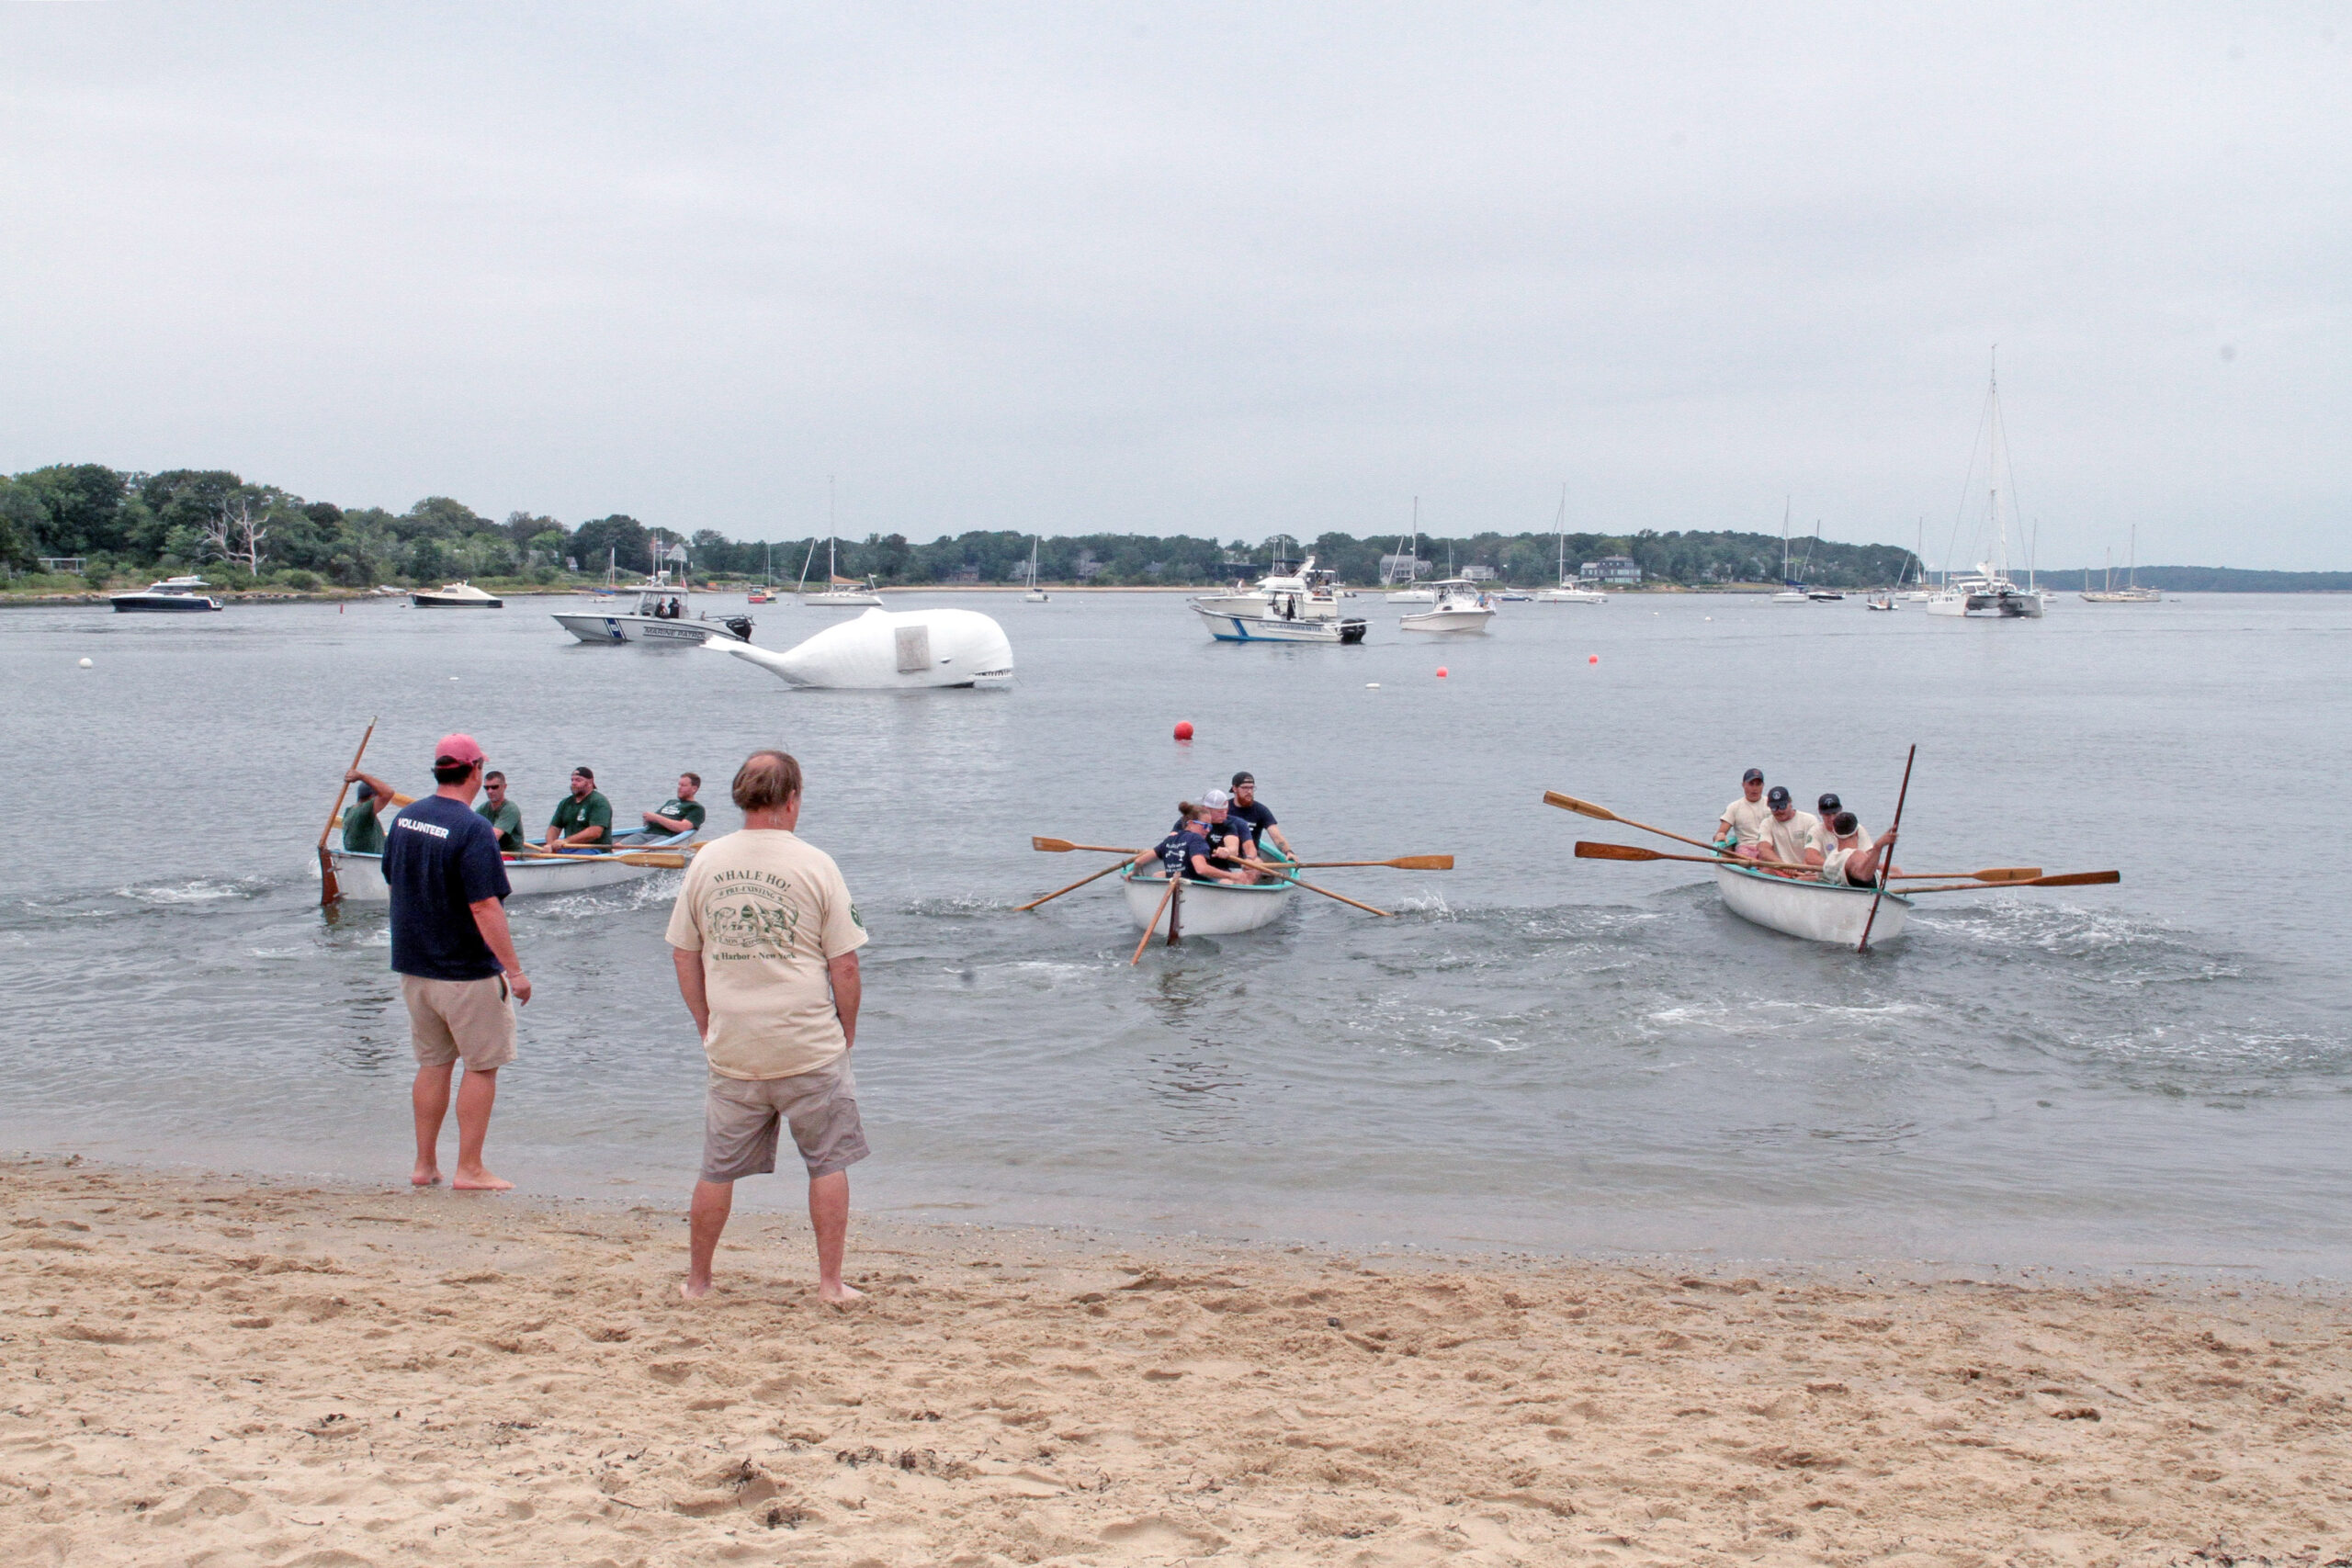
(1538, 1053)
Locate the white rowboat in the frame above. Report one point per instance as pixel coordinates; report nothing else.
(1204, 909)
(1813, 910)
(361, 877)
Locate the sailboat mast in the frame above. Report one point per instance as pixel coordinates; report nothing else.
(1560, 526)
(1993, 448)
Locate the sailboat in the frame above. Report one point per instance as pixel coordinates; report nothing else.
(1035, 595)
(2131, 592)
(1792, 592)
(1917, 592)
(1571, 590)
(840, 593)
(1987, 593)
(1408, 595)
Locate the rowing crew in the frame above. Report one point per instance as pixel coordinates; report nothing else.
(582, 823)
(1218, 839)
(1833, 846)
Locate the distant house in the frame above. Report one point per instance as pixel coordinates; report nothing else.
(1479, 574)
(1088, 567)
(964, 574)
(1619, 570)
(1401, 568)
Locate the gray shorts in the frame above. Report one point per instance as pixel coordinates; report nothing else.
(450, 1020)
(742, 1120)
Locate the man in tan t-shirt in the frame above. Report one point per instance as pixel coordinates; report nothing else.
(764, 939)
(1741, 829)
(1788, 832)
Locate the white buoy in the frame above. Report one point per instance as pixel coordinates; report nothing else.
(1371, 685)
(86, 664)
(882, 651)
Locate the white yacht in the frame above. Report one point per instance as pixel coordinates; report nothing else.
(1307, 594)
(456, 596)
(172, 595)
(1458, 607)
(1987, 593)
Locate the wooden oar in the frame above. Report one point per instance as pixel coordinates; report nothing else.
(1149, 929)
(1885, 863)
(2072, 879)
(1071, 888)
(1063, 847)
(1990, 874)
(1402, 862)
(330, 891)
(1587, 850)
(1326, 893)
(1602, 813)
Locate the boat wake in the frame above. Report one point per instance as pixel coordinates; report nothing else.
(202, 890)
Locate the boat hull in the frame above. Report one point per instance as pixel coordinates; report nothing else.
(1349, 629)
(1813, 912)
(1571, 596)
(1205, 908)
(589, 627)
(434, 601)
(163, 603)
(361, 877)
(1459, 622)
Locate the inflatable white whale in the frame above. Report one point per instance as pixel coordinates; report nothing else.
(881, 650)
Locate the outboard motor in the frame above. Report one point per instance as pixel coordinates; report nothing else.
(739, 624)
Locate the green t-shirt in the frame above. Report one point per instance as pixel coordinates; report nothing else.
(572, 814)
(363, 832)
(676, 810)
(507, 821)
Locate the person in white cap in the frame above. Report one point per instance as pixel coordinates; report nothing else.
(1229, 836)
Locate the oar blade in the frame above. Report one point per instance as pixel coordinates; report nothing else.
(1052, 846)
(2076, 879)
(2009, 874)
(1423, 863)
(1582, 807)
(1587, 850)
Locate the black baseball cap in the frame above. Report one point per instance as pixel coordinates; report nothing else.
(1830, 805)
(1241, 779)
(1777, 796)
(1753, 775)
(586, 772)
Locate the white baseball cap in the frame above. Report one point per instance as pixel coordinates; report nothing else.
(1217, 800)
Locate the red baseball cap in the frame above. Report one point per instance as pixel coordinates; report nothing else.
(456, 748)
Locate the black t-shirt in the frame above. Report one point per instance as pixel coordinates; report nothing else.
(439, 858)
(1252, 820)
(1176, 850)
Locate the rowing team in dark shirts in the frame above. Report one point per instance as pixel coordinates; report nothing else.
(582, 823)
(1218, 839)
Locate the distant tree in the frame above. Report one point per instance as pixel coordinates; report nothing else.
(438, 517)
(81, 508)
(620, 533)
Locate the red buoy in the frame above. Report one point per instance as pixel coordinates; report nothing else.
(1593, 658)
(1184, 729)
(1441, 671)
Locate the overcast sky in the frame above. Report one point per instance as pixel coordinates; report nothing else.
(1214, 269)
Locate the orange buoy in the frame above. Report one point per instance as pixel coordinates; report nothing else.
(1441, 671)
(1184, 729)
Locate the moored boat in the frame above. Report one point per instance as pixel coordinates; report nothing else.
(1204, 909)
(659, 618)
(455, 596)
(1275, 627)
(1809, 909)
(361, 877)
(1458, 607)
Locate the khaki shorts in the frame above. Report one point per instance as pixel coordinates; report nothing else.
(468, 1021)
(742, 1119)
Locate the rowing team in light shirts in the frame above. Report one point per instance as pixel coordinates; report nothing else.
(1765, 825)
(1218, 839)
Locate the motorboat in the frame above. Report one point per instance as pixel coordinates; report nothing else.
(1459, 608)
(360, 877)
(1824, 597)
(456, 596)
(172, 595)
(1308, 594)
(660, 618)
(1881, 601)
(882, 651)
(1988, 593)
(1810, 908)
(1202, 908)
(1277, 626)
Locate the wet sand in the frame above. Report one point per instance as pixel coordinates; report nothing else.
(217, 1370)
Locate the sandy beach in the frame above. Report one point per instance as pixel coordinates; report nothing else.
(222, 1371)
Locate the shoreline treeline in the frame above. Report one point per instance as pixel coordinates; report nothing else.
(244, 534)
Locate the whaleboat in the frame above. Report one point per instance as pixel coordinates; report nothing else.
(1810, 908)
(361, 877)
(1207, 908)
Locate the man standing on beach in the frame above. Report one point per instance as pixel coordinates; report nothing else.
(456, 959)
(764, 939)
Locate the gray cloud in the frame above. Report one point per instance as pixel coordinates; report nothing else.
(1224, 270)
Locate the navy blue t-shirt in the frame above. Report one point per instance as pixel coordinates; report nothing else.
(440, 857)
(1252, 820)
(1176, 850)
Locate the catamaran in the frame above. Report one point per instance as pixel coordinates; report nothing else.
(1987, 593)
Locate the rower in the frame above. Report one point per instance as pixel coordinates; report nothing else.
(363, 834)
(1788, 832)
(1185, 851)
(583, 819)
(682, 813)
(1248, 809)
(1231, 839)
(1825, 836)
(1741, 830)
(506, 817)
(1851, 860)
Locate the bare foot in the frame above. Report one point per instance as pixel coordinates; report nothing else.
(425, 1176)
(840, 1294)
(692, 1291)
(479, 1181)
